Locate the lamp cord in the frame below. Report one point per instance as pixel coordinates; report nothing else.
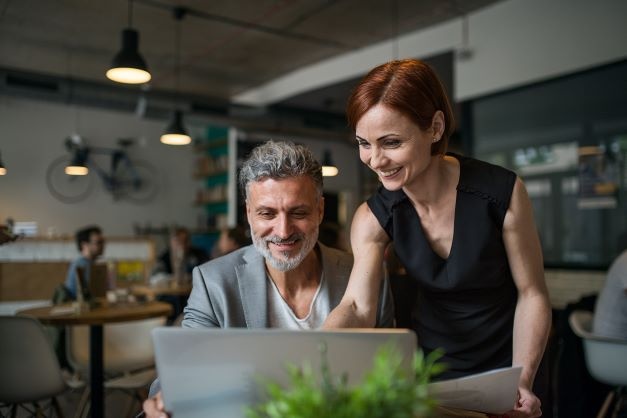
(179, 14)
(130, 13)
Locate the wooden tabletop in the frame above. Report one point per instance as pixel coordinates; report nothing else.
(110, 313)
(168, 289)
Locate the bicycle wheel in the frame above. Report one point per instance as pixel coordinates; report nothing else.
(66, 188)
(137, 181)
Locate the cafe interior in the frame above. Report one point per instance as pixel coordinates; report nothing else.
(537, 87)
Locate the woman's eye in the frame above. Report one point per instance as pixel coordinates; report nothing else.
(363, 144)
(392, 143)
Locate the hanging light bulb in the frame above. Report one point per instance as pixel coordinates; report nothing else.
(3, 170)
(328, 168)
(175, 133)
(78, 165)
(128, 66)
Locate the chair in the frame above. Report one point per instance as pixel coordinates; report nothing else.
(128, 357)
(30, 376)
(606, 358)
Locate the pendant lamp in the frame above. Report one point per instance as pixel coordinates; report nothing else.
(175, 133)
(328, 168)
(78, 165)
(3, 170)
(128, 66)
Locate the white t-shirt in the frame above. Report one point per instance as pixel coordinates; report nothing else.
(280, 315)
(610, 314)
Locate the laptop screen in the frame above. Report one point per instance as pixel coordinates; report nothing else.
(216, 372)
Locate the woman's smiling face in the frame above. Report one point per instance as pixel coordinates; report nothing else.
(393, 146)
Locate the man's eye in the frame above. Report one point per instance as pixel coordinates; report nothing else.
(266, 215)
(299, 215)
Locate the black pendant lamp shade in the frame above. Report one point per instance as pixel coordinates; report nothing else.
(3, 169)
(128, 66)
(328, 168)
(77, 166)
(175, 133)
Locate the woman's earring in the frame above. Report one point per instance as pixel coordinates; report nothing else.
(435, 139)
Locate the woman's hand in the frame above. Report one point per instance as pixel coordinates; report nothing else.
(154, 408)
(527, 406)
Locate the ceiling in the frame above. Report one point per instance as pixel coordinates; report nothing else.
(227, 47)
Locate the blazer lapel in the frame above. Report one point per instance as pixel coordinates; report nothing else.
(252, 283)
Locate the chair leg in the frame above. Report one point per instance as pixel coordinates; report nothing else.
(606, 405)
(57, 407)
(83, 404)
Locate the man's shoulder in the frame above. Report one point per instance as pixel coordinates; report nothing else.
(232, 260)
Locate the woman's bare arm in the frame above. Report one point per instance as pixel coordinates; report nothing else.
(358, 308)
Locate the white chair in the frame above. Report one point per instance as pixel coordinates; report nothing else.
(30, 376)
(606, 358)
(128, 357)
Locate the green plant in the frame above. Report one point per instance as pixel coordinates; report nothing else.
(388, 390)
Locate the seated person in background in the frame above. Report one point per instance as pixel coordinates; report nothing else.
(331, 235)
(286, 279)
(610, 314)
(230, 240)
(176, 264)
(90, 243)
(180, 258)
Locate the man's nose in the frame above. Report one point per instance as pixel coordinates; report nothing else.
(283, 226)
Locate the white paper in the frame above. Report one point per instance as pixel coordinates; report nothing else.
(493, 392)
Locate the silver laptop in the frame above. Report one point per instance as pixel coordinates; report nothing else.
(216, 372)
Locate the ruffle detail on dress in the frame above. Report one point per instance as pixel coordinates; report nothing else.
(481, 194)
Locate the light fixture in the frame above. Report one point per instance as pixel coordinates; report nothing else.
(175, 133)
(3, 170)
(128, 66)
(328, 169)
(78, 165)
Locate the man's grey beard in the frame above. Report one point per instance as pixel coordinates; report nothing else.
(287, 264)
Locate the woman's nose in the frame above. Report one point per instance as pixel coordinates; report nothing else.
(376, 157)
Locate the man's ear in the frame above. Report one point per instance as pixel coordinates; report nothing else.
(321, 210)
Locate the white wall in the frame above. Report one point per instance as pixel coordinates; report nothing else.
(515, 42)
(32, 135)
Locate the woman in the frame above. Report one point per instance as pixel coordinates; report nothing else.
(463, 229)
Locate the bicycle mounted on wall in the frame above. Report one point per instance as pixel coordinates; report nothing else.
(126, 178)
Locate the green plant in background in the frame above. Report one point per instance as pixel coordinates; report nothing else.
(388, 390)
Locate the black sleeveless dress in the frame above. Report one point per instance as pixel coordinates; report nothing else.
(465, 303)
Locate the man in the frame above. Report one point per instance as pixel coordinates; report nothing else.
(610, 314)
(230, 239)
(90, 243)
(181, 257)
(286, 279)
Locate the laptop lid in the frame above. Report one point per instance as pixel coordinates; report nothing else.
(98, 281)
(215, 372)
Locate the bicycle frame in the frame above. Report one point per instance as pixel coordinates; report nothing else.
(131, 179)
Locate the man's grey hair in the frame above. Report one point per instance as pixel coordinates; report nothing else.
(279, 160)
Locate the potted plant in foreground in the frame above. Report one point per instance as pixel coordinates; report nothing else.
(387, 390)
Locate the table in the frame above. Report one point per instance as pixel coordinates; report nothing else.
(96, 317)
(151, 292)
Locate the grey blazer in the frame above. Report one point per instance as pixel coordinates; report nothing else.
(231, 291)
